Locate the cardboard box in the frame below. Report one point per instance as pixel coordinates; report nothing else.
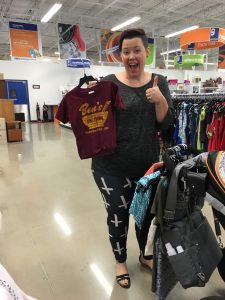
(1, 76)
(14, 135)
(14, 131)
(7, 109)
(13, 125)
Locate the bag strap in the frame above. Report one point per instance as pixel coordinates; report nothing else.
(215, 203)
(217, 229)
(170, 207)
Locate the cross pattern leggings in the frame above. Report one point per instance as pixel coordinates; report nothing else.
(117, 194)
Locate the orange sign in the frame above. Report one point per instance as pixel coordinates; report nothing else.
(24, 40)
(203, 38)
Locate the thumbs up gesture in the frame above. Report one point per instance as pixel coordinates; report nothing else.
(154, 94)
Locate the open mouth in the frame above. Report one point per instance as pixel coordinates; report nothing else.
(133, 66)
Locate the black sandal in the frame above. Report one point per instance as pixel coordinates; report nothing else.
(119, 278)
(143, 264)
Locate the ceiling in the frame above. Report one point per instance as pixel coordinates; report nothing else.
(158, 18)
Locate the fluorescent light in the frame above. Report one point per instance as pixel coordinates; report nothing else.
(171, 51)
(63, 225)
(53, 10)
(181, 31)
(128, 22)
(101, 278)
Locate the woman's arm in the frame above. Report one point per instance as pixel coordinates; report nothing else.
(159, 94)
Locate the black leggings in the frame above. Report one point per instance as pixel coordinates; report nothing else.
(117, 194)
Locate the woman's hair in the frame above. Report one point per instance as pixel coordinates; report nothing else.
(133, 33)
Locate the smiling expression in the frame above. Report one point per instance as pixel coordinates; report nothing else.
(133, 56)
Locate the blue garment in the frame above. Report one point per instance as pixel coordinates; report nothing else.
(142, 197)
(176, 137)
(188, 129)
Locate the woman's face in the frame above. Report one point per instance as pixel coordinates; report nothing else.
(133, 56)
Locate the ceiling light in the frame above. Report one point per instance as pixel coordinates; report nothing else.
(171, 51)
(53, 10)
(128, 22)
(181, 31)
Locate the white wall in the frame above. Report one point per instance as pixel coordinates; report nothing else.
(52, 76)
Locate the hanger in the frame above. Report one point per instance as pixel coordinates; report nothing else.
(86, 79)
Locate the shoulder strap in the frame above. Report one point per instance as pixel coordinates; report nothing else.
(169, 211)
(217, 229)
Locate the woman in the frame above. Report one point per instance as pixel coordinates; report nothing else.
(148, 108)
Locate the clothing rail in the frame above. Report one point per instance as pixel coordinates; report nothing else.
(201, 96)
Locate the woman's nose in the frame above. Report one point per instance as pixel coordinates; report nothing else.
(131, 55)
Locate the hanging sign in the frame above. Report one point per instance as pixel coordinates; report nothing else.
(24, 40)
(71, 43)
(189, 60)
(150, 60)
(203, 38)
(78, 62)
(110, 45)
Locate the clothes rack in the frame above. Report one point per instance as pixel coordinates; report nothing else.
(220, 97)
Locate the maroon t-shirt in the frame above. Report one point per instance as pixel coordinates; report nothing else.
(91, 112)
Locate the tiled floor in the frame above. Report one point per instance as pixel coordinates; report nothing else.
(42, 180)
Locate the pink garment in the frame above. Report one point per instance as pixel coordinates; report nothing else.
(154, 167)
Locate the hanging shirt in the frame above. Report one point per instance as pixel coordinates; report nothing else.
(91, 112)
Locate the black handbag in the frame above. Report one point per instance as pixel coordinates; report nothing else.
(221, 265)
(201, 253)
(191, 245)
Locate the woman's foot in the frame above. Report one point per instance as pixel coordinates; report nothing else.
(146, 263)
(122, 275)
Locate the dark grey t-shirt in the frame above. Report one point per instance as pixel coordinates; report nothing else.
(137, 141)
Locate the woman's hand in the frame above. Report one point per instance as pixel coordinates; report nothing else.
(92, 84)
(154, 94)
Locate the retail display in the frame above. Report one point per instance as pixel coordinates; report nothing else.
(200, 121)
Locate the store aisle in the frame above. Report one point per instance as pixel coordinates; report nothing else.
(43, 183)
